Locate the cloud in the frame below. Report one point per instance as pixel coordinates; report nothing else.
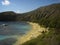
(17, 11)
(5, 2)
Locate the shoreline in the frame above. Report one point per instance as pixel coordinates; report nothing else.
(33, 33)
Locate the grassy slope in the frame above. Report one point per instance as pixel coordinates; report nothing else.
(48, 16)
(52, 38)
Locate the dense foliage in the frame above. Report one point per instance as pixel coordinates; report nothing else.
(48, 16)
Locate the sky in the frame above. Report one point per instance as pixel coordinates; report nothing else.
(22, 6)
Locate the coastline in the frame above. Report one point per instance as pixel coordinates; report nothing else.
(33, 33)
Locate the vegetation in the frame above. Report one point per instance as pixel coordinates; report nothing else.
(48, 16)
(52, 38)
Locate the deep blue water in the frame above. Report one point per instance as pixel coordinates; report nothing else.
(13, 29)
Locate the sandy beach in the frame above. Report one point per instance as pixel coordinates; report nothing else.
(33, 33)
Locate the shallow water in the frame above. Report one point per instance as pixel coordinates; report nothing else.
(13, 29)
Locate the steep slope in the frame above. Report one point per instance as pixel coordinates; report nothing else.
(48, 16)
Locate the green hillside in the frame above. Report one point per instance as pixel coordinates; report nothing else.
(7, 16)
(52, 38)
(47, 16)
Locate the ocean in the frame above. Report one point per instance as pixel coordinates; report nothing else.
(13, 29)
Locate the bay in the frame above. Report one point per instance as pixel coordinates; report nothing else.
(13, 29)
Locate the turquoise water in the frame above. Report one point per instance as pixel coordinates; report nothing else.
(13, 29)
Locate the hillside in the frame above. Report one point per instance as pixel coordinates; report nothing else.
(7, 16)
(48, 16)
